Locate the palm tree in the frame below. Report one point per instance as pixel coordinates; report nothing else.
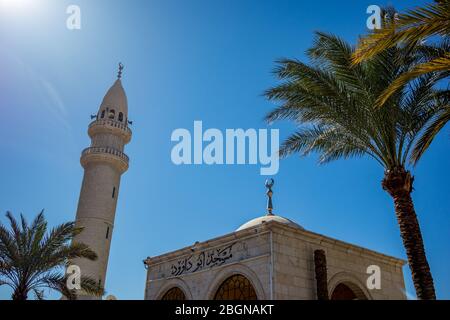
(32, 259)
(332, 102)
(431, 22)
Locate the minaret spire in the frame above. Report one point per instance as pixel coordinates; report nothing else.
(269, 184)
(119, 74)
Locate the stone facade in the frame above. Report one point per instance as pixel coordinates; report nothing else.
(277, 259)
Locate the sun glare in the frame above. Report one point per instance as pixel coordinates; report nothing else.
(17, 4)
(17, 10)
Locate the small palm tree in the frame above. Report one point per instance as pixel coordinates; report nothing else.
(332, 102)
(431, 22)
(32, 259)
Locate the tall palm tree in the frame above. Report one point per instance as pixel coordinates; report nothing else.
(332, 102)
(431, 22)
(32, 259)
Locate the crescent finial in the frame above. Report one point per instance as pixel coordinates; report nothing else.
(119, 74)
(269, 184)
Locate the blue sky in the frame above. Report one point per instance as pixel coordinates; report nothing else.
(185, 61)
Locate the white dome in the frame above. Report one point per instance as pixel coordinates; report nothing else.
(257, 221)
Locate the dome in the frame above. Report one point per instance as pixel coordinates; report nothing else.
(260, 220)
(115, 99)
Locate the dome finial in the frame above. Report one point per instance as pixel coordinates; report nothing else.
(269, 184)
(119, 74)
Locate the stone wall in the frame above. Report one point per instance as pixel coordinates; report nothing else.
(294, 276)
(249, 256)
(279, 262)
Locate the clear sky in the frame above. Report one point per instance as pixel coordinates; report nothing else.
(184, 61)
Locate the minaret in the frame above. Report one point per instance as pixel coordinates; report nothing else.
(104, 162)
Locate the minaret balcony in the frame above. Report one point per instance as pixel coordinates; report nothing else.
(110, 125)
(105, 154)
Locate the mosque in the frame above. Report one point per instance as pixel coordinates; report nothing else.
(267, 258)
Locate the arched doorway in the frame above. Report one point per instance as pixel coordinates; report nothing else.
(174, 293)
(347, 291)
(236, 287)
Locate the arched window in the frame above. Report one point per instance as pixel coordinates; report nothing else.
(112, 114)
(103, 114)
(236, 287)
(347, 292)
(174, 294)
(120, 116)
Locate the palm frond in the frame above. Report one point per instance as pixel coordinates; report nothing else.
(65, 253)
(440, 64)
(441, 119)
(410, 27)
(38, 294)
(59, 282)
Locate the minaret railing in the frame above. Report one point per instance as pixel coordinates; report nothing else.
(108, 150)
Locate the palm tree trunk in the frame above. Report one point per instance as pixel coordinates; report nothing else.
(320, 267)
(398, 183)
(20, 294)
